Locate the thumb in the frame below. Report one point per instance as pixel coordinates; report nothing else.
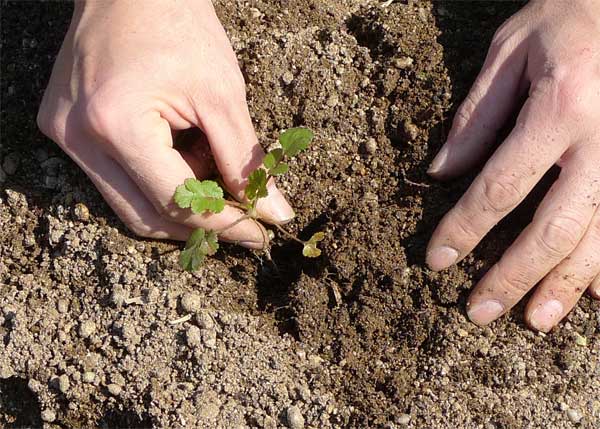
(236, 151)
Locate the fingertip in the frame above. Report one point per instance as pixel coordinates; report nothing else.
(437, 167)
(440, 258)
(545, 316)
(274, 208)
(484, 313)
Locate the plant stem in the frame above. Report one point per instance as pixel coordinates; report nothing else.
(287, 234)
(235, 204)
(231, 225)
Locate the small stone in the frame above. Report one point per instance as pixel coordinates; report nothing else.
(371, 146)
(574, 415)
(63, 383)
(288, 77)
(62, 305)
(114, 389)
(209, 338)
(462, 333)
(332, 101)
(118, 296)
(204, 320)
(34, 385)
(87, 329)
(11, 163)
(41, 154)
(294, 418)
(580, 340)
(50, 182)
(193, 336)
(191, 302)
(48, 416)
(403, 62)
(411, 130)
(403, 419)
(88, 377)
(81, 212)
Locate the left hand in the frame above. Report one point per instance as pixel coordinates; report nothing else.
(551, 48)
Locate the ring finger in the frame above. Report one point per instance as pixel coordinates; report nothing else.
(561, 289)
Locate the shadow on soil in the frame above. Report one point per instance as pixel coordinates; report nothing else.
(19, 407)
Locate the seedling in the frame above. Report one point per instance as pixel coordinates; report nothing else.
(207, 196)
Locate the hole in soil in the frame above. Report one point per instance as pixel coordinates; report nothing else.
(19, 406)
(275, 280)
(369, 33)
(124, 419)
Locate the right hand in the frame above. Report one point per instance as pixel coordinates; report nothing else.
(131, 75)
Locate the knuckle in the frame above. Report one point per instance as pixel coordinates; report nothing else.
(227, 89)
(464, 229)
(500, 193)
(565, 85)
(467, 109)
(48, 123)
(167, 211)
(101, 115)
(44, 124)
(513, 281)
(140, 229)
(561, 234)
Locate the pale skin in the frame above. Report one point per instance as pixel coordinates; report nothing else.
(128, 79)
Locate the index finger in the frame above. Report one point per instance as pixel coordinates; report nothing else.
(531, 149)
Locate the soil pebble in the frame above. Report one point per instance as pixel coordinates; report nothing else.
(114, 389)
(193, 336)
(294, 417)
(63, 383)
(81, 212)
(574, 415)
(87, 329)
(11, 163)
(403, 419)
(88, 377)
(49, 416)
(191, 302)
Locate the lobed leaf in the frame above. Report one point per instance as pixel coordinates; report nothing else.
(273, 158)
(200, 244)
(295, 140)
(257, 185)
(200, 196)
(279, 169)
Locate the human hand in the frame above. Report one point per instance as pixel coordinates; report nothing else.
(129, 78)
(551, 48)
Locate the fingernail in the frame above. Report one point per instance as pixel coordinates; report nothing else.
(438, 162)
(485, 312)
(441, 258)
(276, 206)
(546, 316)
(252, 244)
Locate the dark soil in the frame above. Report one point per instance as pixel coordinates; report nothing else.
(364, 337)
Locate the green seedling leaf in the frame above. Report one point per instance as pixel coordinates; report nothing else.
(295, 140)
(200, 244)
(257, 185)
(200, 196)
(273, 158)
(310, 249)
(279, 169)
